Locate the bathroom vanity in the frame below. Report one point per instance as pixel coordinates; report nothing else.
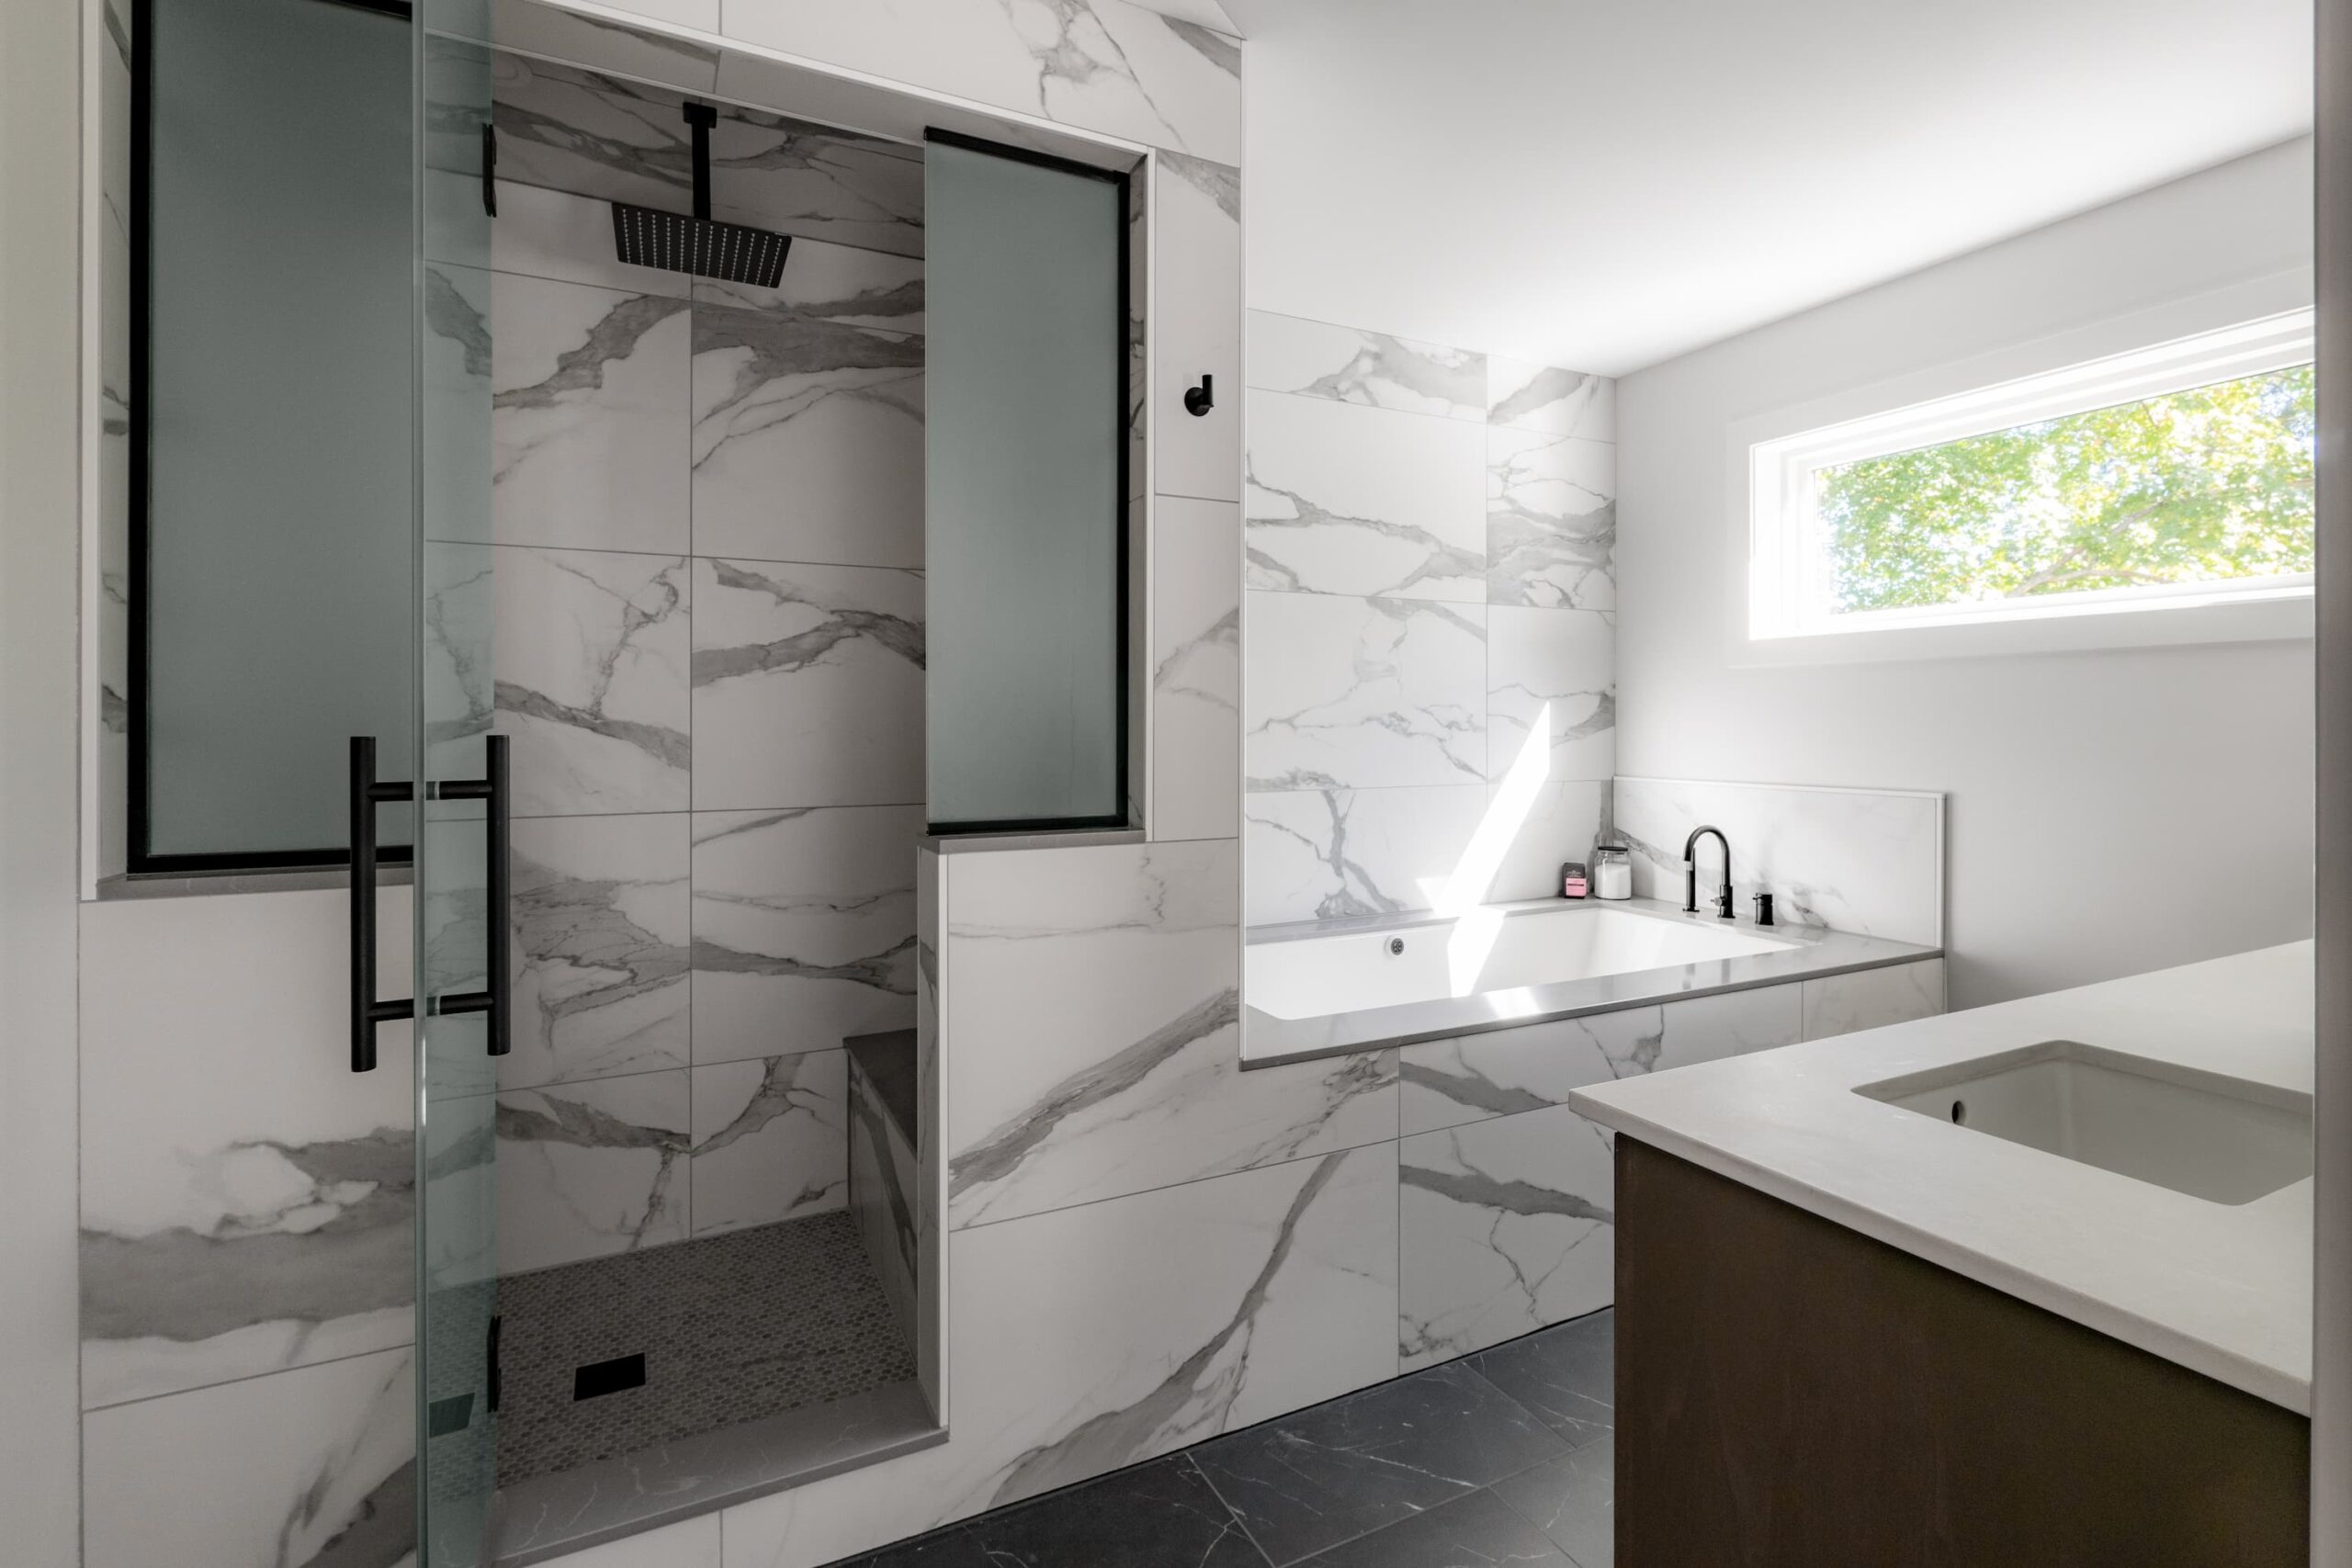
(2025, 1284)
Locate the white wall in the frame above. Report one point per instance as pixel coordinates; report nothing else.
(2110, 812)
(40, 170)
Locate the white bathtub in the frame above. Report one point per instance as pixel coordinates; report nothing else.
(1370, 984)
(1308, 976)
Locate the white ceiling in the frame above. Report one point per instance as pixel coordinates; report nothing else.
(1605, 184)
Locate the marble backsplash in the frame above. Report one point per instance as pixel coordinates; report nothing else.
(1430, 599)
(1869, 862)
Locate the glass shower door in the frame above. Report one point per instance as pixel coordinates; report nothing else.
(461, 952)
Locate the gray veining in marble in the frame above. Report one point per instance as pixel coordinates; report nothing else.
(1201, 1386)
(619, 141)
(600, 912)
(321, 1232)
(1551, 521)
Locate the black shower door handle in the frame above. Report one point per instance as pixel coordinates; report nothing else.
(497, 1001)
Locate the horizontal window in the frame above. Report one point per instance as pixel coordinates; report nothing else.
(2174, 477)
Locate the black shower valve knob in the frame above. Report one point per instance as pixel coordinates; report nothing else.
(1199, 399)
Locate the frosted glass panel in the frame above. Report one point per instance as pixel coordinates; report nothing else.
(278, 589)
(1026, 366)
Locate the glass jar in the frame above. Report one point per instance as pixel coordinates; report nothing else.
(1612, 871)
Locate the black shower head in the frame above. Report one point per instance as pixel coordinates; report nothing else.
(731, 252)
(704, 246)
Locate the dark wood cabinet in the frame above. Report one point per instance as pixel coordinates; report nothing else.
(1794, 1394)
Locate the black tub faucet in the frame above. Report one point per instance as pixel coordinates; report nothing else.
(1690, 872)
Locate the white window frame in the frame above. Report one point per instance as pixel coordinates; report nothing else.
(1780, 580)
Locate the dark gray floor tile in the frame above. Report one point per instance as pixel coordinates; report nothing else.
(1573, 1501)
(948, 1548)
(1161, 1515)
(1477, 1530)
(1312, 1480)
(1566, 1374)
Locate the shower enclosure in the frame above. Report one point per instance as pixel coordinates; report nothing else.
(735, 588)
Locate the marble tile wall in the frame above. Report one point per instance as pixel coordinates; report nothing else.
(1429, 575)
(1864, 861)
(707, 565)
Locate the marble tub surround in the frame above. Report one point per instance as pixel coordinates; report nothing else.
(1134, 1083)
(1868, 861)
(1503, 1227)
(2223, 1289)
(1431, 539)
(1800, 954)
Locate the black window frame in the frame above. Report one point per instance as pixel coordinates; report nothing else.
(140, 857)
(1122, 180)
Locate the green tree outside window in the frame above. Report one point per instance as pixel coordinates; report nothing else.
(2199, 486)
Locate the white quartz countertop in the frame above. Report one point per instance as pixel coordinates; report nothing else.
(2224, 1291)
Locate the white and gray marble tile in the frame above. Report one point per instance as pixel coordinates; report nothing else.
(1539, 397)
(246, 1199)
(601, 931)
(460, 456)
(1207, 1306)
(1349, 692)
(1320, 855)
(590, 413)
(884, 1179)
(591, 663)
(554, 33)
(1100, 64)
(1351, 365)
(1503, 1227)
(1551, 520)
(1868, 861)
(1732, 1023)
(588, 1169)
(310, 1466)
(931, 1144)
(770, 1140)
(690, 1543)
(615, 139)
(1361, 501)
(1873, 998)
(804, 928)
(1444, 1083)
(825, 282)
(1092, 1007)
(1196, 668)
(808, 685)
(807, 437)
(1196, 257)
(1560, 823)
(1554, 671)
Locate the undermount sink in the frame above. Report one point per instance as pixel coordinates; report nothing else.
(2223, 1139)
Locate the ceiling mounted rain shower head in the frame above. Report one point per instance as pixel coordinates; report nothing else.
(731, 252)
